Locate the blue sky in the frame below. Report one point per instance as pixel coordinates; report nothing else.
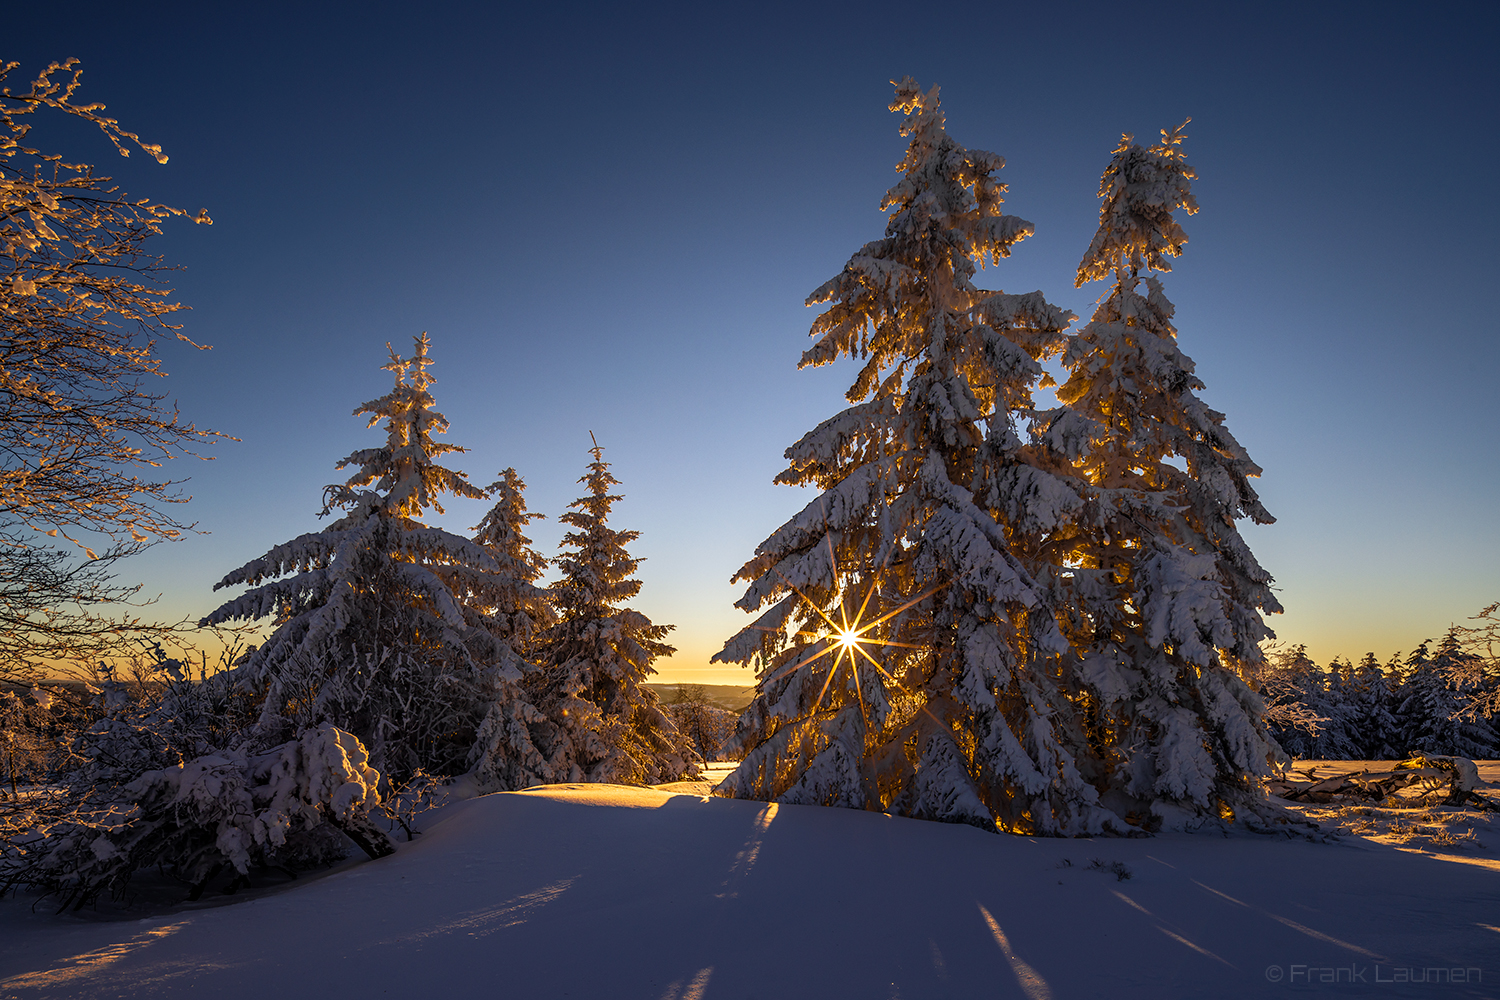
(608, 219)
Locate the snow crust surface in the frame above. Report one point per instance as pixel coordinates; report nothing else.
(621, 892)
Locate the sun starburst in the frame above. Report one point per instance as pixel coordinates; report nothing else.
(847, 638)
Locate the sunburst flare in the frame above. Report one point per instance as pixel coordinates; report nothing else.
(848, 638)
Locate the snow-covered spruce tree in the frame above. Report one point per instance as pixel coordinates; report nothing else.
(371, 634)
(909, 661)
(1165, 595)
(526, 608)
(517, 745)
(596, 659)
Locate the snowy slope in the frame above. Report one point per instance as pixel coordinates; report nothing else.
(607, 891)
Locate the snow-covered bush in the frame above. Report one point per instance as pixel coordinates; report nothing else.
(69, 744)
(1476, 670)
(33, 746)
(147, 712)
(1305, 706)
(1435, 713)
(275, 808)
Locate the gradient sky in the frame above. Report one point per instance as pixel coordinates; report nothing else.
(608, 220)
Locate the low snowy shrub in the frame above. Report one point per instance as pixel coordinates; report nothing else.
(278, 808)
(1119, 869)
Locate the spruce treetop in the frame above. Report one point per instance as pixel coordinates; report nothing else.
(502, 529)
(403, 471)
(910, 295)
(1141, 188)
(1128, 373)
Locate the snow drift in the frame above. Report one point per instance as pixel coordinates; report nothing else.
(610, 891)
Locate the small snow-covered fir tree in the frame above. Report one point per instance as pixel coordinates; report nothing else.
(595, 660)
(1165, 595)
(371, 632)
(517, 744)
(908, 661)
(525, 608)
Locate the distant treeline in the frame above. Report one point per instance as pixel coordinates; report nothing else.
(1441, 700)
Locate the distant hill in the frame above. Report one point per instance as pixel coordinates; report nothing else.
(731, 696)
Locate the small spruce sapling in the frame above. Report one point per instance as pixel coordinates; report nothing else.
(521, 611)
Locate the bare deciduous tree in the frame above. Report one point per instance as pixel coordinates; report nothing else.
(80, 303)
(1477, 671)
(83, 429)
(44, 597)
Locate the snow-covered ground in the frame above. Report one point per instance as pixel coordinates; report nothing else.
(604, 891)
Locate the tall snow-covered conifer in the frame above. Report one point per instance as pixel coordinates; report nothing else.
(597, 657)
(370, 634)
(1165, 595)
(909, 661)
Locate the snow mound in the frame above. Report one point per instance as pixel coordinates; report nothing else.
(615, 891)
